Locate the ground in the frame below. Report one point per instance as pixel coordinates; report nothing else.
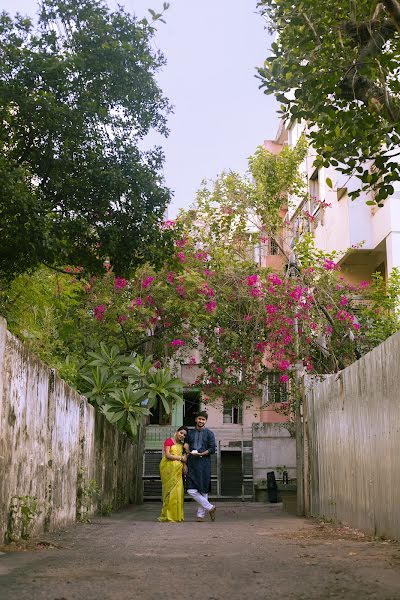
(252, 550)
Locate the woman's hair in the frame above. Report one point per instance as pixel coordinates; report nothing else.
(183, 428)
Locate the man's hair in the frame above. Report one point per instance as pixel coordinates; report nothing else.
(202, 413)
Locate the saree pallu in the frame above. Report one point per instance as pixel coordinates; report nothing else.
(172, 487)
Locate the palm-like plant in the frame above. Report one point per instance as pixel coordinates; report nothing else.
(126, 388)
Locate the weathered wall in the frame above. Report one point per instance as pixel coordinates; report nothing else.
(59, 459)
(351, 431)
(273, 449)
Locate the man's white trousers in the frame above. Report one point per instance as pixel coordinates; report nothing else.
(202, 500)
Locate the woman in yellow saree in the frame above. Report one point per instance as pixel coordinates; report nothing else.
(171, 470)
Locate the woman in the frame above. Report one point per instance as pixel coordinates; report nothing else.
(171, 470)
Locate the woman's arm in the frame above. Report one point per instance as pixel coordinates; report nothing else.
(170, 456)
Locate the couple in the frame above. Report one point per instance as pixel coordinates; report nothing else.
(187, 453)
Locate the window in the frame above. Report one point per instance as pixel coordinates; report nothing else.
(274, 390)
(233, 414)
(273, 247)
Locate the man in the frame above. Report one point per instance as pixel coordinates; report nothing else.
(200, 444)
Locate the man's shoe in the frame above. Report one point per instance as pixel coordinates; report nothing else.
(212, 512)
(200, 520)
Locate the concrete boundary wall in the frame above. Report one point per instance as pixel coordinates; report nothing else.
(350, 443)
(59, 458)
(274, 449)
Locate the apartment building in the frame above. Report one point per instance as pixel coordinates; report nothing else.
(367, 238)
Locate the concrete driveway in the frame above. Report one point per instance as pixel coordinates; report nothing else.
(252, 551)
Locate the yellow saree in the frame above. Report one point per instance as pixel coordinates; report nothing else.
(172, 487)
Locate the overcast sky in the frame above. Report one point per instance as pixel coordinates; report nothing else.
(212, 48)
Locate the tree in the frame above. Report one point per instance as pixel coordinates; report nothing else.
(335, 65)
(208, 299)
(77, 94)
(244, 320)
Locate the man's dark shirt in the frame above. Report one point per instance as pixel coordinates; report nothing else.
(199, 467)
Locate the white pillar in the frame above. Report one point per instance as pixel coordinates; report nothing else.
(393, 251)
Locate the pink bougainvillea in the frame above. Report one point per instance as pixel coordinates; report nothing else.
(329, 265)
(168, 224)
(99, 312)
(147, 281)
(177, 343)
(252, 279)
(210, 306)
(119, 283)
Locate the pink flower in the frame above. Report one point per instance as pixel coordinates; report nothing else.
(201, 256)
(122, 318)
(207, 272)
(210, 306)
(309, 367)
(296, 293)
(119, 283)
(193, 360)
(68, 270)
(364, 284)
(157, 365)
(260, 346)
(177, 343)
(170, 277)
(329, 265)
(218, 370)
(181, 257)
(150, 300)
(284, 378)
(247, 318)
(343, 301)
(252, 279)
(181, 291)
(328, 329)
(356, 326)
(168, 225)
(274, 279)
(147, 281)
(181, 243)
(99, 312)
(206, 290)
(137, 302)
(271, 309)
(284, 365)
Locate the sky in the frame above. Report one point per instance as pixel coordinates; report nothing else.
(220, 115)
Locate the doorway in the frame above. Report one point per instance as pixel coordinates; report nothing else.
(231, 473)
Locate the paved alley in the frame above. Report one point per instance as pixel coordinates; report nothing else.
(251, 551)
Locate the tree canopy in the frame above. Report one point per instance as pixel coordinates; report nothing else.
(336, 65)
(77, 95)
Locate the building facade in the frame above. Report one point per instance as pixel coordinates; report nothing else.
(366, 237)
